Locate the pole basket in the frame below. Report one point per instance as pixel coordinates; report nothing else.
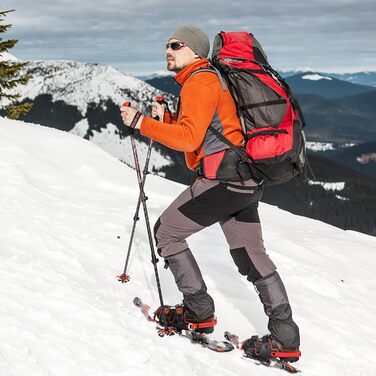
(123, 278)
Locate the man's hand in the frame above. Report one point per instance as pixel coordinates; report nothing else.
(158, 109)
(128, 114)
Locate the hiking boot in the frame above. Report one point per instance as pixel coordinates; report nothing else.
(181, 318)
(267, 348)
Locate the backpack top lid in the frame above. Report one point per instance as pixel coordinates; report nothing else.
(235, 47)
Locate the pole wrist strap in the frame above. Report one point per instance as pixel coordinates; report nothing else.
(135, 119)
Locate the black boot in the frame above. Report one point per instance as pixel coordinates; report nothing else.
(181, 318)
(267, 348)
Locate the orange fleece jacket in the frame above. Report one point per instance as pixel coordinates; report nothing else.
(201, 96)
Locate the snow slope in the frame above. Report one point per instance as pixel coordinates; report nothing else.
(66, 213)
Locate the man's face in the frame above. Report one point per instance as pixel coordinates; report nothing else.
(180, 58)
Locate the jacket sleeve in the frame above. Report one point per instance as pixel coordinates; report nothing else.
(169, 118)
(197, 107)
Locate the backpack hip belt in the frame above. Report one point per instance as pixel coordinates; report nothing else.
(225, 165)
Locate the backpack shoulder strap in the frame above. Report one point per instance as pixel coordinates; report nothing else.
(212, 69)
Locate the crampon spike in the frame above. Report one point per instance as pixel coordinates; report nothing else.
(123, 278)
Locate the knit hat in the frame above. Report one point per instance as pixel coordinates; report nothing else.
(193, 37)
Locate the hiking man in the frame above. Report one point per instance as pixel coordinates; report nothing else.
(223, 192)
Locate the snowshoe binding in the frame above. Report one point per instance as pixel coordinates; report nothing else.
(180, 318)
(268, 348)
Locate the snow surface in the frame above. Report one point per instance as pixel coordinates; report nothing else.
(328, 186)
(66, 214)
(315, 77)
(109, 140)
(7, 56)
(319, 146)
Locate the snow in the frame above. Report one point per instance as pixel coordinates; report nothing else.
(7, 56)
(64, 205)
(109, 140)
(157, 74)
(328, 186)
(79, 84)
(342, 198)
(315, 77)
(366, 158)
(319, 146)
(325, 146)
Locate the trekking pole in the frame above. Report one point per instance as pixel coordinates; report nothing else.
(124, 278)
(143, 198)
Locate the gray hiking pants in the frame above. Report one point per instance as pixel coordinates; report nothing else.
(234, 206)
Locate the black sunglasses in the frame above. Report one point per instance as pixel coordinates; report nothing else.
(175, 45)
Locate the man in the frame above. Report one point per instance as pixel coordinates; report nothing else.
(224, 192)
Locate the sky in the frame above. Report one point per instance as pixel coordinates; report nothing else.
(326, 35)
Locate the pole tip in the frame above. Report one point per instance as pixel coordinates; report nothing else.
(123, 278)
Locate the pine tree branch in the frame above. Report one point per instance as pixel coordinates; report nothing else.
(11, 75)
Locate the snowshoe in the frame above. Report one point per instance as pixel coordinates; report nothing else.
(267, 348)
(181, 318)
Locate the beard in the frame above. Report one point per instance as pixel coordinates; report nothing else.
(171, 65)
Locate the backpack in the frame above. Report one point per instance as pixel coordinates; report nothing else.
(270, 116)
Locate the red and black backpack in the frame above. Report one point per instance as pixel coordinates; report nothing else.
(270, 116)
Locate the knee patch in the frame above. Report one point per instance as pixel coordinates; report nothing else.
(245, 264)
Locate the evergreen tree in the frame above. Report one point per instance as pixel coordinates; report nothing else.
(10, 74)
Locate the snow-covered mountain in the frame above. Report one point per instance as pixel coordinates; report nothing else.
(84, 98)
(325, 85)
(367, 78)
(66, 214)
(361, 78)
(81, 84)
(158, 74)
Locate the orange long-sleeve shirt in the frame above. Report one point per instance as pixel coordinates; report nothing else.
(203, 102)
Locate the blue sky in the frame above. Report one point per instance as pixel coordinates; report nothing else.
(327, 35)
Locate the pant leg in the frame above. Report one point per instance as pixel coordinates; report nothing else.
(276, 304)
(212, 202)
(244, 236)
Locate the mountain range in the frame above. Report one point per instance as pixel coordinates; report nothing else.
(367, 78)
(84, 99)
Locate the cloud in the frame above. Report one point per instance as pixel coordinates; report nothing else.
(132, 34)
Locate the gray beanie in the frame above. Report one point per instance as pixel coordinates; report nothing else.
(193, 37)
